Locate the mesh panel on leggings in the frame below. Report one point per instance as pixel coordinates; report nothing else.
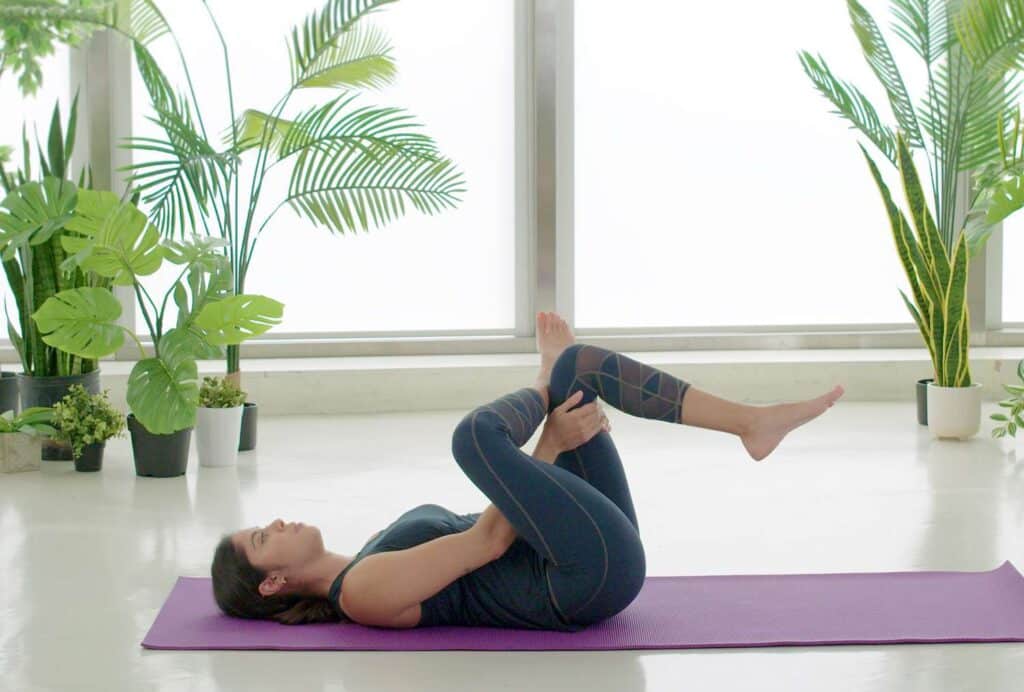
(629, 385)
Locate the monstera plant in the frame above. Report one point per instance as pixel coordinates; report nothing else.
(350, 166)
(112, 238)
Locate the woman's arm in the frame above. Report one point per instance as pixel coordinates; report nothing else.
(384, 586)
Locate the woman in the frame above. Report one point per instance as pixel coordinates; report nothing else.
(558, 549)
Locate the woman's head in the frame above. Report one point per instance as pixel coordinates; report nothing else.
(257, 573)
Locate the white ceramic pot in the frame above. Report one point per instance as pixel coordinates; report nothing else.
(217, 434)
(954, 412)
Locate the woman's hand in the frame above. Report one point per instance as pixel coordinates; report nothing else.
(565, 429)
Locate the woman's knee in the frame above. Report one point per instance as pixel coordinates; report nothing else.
(563, 374)
(475, 431)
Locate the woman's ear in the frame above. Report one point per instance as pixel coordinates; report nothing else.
(271, 585)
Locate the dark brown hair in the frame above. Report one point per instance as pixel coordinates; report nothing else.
(236, 589)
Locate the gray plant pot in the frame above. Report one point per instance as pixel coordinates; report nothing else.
(247, 435)
(922, 400)
(9, 398)
(47, 391)
(158, 455)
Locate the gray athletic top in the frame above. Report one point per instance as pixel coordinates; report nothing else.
(511, 591)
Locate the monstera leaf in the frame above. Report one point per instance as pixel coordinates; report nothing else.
(163, 392)
(81, 321)
(236, 318)
(117, 241)
(34, 212)
(204, 292)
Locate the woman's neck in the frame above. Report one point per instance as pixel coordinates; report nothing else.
(318, 575)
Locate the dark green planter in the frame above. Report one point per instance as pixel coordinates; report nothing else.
(247, 437)
(9, 399)
(47, 391)
(159, 456)
(922, 400)
(92, 457)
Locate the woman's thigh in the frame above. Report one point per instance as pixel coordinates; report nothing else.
(595, 560)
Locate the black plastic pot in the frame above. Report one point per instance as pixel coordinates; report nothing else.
(9, 399)
(159, 456)
(247, 438)
(922, 400)
(91, 458)
(47, 391)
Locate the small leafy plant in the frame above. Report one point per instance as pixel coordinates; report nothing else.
(1015, 404)
(220, 392)
(35, 421)
(84, 418)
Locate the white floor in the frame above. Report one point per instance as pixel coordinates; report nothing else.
(88, 559)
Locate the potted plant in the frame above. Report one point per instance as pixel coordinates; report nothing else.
(20, 438)
(114, 239)
(86, 421)
(351, 166)
(32, 215)
(1015, 403)
(219, 421)
(961, 125)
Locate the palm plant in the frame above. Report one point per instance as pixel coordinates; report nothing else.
(350, 167)
(963, 122)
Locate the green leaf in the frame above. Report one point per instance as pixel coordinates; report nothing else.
(345, 189)
(922, 24)
(999, 417)
(378, 132)
(992, 33)
(851, 104)
(879, 58)
(35, 211)
(313, 42)
(82, 321)
(163, 392)
(117, 241)
(359, 57)
(239, 317)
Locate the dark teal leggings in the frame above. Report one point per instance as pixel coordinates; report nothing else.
(577, 514)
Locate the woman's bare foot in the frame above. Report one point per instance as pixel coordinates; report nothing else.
(773, 423)
(553, 337)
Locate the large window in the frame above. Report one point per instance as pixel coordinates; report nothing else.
(712, 185)
(456, 77)
(34, 113)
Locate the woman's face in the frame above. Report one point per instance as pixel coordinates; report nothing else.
(279, 546)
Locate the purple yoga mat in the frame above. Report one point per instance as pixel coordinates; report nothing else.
(669, 613)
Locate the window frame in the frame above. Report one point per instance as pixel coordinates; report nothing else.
(543, 45)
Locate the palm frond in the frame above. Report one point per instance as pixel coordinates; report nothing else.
(249, 130)
(879, 58)
(319, 32)
(382, 132)
(922, 24)
(992, 33)
(186, 170)
(184, 174)
(336, 187)
(359, 57)
(851, 104)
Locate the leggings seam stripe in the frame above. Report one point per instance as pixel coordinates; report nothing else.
(507, 491)
(526, 409)
(519, 416)
(604, 544)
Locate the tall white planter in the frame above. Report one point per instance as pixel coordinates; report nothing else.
(954, 411)
(217, 434)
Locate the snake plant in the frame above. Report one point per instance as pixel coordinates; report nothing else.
(963, 122)
(937, 282)
(31, 217)
(113, 239)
